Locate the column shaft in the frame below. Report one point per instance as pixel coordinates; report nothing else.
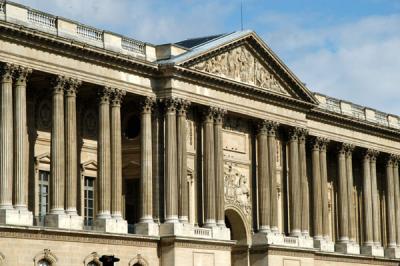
(324, 188)
(6, 134)
(57, 165)
(116, 154)
(367, 200)
(21, 140)
(375, 201)
(390, 205)
(103, 154)
(171, 177)
(304, 184)
(397, 198)
(316, 189)
(209, 170)
(343, 197)
(219, 167)
(71, 161)
(272, 175)
(146, 177)
(351, 208)
(182, 162)
(263, 181)
(295, 185)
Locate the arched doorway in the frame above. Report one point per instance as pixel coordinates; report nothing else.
(235, 222)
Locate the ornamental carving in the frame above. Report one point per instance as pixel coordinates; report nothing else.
(90, 123)
(240, 65)
(237, 188)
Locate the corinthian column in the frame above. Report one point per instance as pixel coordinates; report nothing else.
(182, 161)
(21, 140)
(146, 179)
(343, 196)
(71, 146)
(219, 167)
(390, 205)
(351, 209)
(375, 198)
(116, 154)
(324, 187)
(103, 154)
(316, 191)
(6, 135)
(397, 198)
(209, 170)
(171, 177)
(367, 200)
(295, 184)
(304, 183)
(272, 127)
(57, 166)
(263, 178)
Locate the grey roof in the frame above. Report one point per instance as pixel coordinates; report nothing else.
(205, 46)
(190, 43)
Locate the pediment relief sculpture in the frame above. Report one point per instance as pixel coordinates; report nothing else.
(240, 65)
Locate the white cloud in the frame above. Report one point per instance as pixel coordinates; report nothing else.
(358, 61)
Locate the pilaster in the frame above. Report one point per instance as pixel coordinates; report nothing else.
(263, 178)
(295, 183)
(219, 114)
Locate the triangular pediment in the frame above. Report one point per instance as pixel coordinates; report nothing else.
(243, 58)
(239, 64)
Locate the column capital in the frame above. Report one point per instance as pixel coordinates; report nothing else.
(208, 114)
(182, 107)
(71, 87)
(342, 150)
(21, 74)
(146, 104)
(302, 132)
(105, 94)
(323, 142)
(371, 154)
(219, 114)
(116, 97)
(170, 104)
(294, 133)
(267, 127)
(58, 82)
(6, 72)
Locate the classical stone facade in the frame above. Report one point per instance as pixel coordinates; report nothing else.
(209, 151)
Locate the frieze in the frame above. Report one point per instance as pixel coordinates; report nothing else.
(237, 188)
(239, 64)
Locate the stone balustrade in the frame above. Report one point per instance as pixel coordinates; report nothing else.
(358, 112)
(21, 15)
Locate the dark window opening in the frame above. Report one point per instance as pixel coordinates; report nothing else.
(132, 127)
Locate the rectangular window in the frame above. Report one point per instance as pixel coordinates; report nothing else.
(44, 177)
(89, 200)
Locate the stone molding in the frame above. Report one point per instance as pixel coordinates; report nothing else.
(138, 259)
(46, 254)
(94, 256)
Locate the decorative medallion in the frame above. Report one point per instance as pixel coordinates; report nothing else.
(239, 64)
(44, 115)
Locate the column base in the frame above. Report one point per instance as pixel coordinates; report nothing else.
(64, 221)
(347, 248)
(324, 245)
(111, 225)
(16, 217)
(392, 252)
(148, 229)
(373, 250)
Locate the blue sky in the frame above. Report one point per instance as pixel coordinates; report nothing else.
(345, 49)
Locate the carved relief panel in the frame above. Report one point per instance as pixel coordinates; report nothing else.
(239, 64)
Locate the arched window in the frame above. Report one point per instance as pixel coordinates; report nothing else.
(93, 263)
(44, 263)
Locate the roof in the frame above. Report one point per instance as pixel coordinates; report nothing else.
(190, 43)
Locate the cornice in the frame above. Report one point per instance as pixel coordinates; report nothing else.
(234, 87)
(72, 48)
(370, 128)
